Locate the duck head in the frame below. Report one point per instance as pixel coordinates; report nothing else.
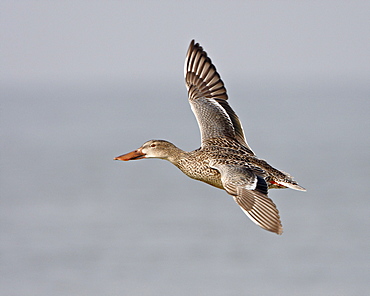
(151, 149)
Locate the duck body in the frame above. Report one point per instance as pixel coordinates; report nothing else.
(198, 164)
(224, 159)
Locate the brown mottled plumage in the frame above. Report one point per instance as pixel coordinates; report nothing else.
(224, 159)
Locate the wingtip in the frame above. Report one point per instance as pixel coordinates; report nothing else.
(191, 46)
(278, 229)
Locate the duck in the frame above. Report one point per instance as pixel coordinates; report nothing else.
(224, 159)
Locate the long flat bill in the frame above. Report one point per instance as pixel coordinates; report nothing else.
(137, 154)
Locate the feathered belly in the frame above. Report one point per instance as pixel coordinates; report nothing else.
(202, 172)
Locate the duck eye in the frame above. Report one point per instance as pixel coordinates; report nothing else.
(152, 145)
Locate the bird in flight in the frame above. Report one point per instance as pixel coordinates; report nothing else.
(224, 159)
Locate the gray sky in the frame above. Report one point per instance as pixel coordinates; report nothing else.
(85, 81)
(72, 41)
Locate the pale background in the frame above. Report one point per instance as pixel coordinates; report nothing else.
(83, 82)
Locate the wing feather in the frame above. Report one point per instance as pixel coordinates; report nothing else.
(205, 90)
(263, 212)
(251, 193)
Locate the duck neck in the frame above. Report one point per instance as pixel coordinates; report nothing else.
(176, 155)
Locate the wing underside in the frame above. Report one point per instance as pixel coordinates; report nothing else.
(250, 192)
(208, 98)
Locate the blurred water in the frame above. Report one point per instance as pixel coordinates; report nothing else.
(75, 222)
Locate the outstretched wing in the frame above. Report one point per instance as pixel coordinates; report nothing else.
(250, 193)
(208, 98)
